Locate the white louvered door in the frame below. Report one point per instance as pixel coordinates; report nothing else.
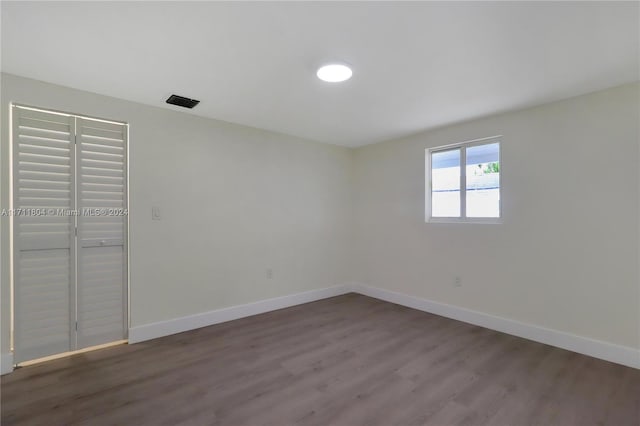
(69, 232)
(101, 175)
(44, 263)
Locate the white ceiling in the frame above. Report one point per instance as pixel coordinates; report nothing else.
(416, 65)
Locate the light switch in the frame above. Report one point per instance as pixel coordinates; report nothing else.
(155, 213)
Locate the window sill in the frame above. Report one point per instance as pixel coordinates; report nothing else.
(474, 220)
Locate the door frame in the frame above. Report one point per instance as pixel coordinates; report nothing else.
(13, 186)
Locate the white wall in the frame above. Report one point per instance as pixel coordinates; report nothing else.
(234, 202)
(566, 256)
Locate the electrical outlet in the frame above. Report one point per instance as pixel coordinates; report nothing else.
(457, 282)
(269, 274)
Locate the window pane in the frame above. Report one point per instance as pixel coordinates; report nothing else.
(445, 183)
(483, 180)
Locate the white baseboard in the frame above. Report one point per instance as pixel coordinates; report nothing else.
(596, 348)
(6, 363)
(178, 325)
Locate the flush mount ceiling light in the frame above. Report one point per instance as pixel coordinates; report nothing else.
(334, 73)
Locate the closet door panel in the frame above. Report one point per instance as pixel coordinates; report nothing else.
(44, 253)
(102, 199)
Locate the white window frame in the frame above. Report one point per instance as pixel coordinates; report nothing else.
(463, 182)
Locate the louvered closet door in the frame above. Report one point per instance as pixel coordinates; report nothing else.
(102, 200)
(43, 240)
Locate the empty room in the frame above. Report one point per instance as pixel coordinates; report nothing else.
(320, 213)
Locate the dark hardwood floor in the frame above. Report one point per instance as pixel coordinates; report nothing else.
(349, 360)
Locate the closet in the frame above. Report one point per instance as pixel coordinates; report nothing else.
(69, 232)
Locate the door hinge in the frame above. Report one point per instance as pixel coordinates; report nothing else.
(76, 231)
(76, 325)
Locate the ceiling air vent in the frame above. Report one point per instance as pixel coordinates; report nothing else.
(182, 101)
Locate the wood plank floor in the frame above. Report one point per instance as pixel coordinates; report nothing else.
(349, 360)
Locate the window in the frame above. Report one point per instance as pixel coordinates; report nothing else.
(463, 182)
